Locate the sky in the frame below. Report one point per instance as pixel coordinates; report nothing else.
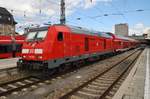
(100, 15)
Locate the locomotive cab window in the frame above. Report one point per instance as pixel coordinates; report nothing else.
(36, 35)
(60, 36)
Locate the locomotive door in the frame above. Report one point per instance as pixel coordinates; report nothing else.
(86, 44)
(67, 44)
(60, 44)
(105, 43)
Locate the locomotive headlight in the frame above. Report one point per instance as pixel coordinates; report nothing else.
(38, 51)
(25, 51)
(24, 56)
(39, 57)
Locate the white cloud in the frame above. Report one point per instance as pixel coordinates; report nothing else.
(48, 7)
(88, 4)
(139, 26)
(28, 11)
(138, 29)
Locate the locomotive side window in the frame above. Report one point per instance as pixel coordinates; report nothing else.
(60, 36)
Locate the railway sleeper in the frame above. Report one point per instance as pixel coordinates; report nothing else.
(2, 89)
(106, 79)
(96, 87)
(92, 91)
(102, 81)
(101, 84)
(108, 97)
(12, 86)
(20, 83)
(85, 95)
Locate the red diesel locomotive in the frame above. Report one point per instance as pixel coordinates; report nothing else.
(59, 44)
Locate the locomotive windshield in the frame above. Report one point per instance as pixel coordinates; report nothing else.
(37, 35)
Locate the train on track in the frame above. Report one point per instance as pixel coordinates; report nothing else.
(10, 41)
(9, 47)
(52, 46)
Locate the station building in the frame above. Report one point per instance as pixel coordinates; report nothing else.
(7, 22)
(121, 29)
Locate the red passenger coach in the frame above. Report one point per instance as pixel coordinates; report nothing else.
(6, 46)
(121, 43)
(49, 47)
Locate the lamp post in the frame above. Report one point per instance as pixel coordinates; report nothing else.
(62, 12)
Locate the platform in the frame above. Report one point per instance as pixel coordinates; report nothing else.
(137, 84)
(7, 63)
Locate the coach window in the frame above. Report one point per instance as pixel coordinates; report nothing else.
(60, 36)
(2, 49)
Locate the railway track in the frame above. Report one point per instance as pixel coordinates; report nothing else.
(7, 70)
(104, 85)
(15, 85)
(10, 74)
(24, 82)
(27, 82)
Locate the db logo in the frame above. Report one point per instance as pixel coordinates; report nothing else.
(31, 51)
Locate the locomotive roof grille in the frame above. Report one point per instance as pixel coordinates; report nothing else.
(75, 29)
(81, 30)
(38, 29)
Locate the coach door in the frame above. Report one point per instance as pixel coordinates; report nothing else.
(86, 44)
(67, 44)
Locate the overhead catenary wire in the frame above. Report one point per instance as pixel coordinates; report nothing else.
(121, 13)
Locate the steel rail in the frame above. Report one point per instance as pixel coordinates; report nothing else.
(67, 95)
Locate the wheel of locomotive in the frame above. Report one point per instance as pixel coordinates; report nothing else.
(62, 68)
(30, 68)
(82, 62)
(20, 66)
(77, 64)
(48, 72)
(86, 61)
